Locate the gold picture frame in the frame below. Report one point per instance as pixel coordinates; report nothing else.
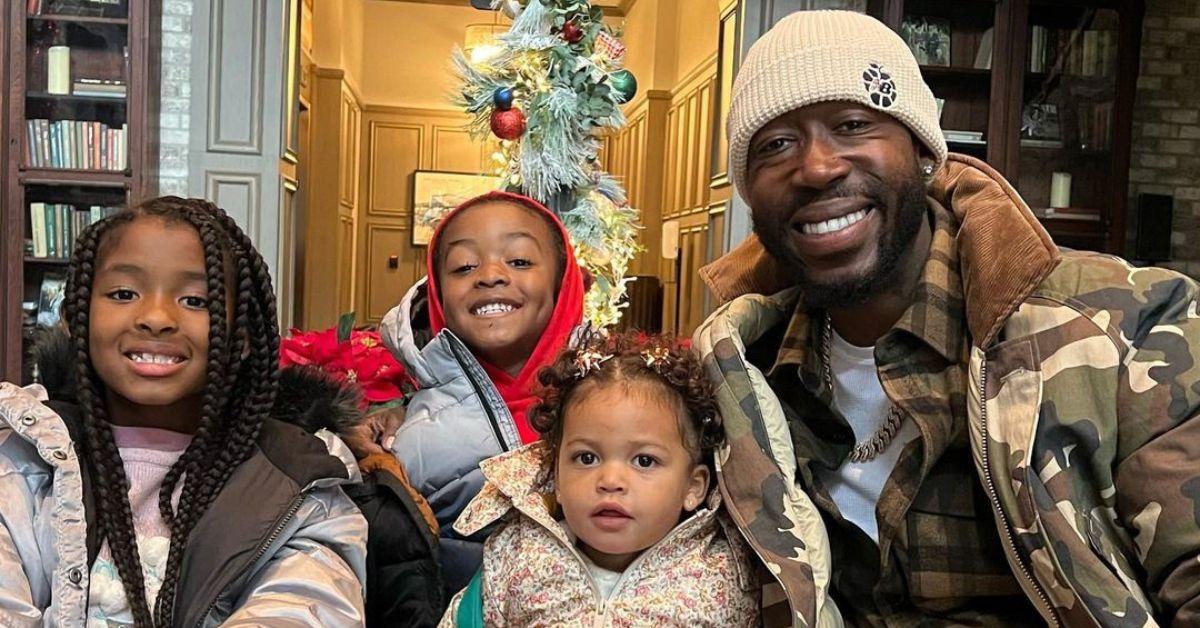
(435, 193)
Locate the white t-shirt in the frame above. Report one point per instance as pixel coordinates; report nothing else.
(858, 395)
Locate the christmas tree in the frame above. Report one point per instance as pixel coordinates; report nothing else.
(554, 85)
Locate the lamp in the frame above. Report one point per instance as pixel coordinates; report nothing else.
(482, 41)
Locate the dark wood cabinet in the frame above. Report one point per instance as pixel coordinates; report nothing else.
(78, 130)
(1050, 106)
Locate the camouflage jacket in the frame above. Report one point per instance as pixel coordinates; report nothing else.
(1084, 386)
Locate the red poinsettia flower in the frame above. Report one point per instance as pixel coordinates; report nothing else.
(361, 360)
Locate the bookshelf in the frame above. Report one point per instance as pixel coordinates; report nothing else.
(78, 139)
(1043, 91)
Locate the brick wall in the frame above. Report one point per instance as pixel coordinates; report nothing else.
(1166, 123)
(176, 92)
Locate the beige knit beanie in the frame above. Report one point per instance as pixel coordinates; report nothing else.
(819, 56)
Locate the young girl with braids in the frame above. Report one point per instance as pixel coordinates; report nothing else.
(158, 492)
(612, 518)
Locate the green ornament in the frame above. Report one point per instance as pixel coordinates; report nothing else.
(624, 84)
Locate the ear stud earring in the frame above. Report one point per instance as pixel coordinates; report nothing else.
(927, 170)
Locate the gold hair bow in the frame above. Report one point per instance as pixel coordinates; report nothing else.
(657, 355)
(589, 361)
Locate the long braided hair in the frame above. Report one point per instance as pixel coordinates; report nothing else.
(242, 376)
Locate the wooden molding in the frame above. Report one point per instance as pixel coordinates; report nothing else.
(344, 77)
(639, 104)
(423, 112)
(705, 70)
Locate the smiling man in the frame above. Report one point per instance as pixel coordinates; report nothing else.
(935, 416)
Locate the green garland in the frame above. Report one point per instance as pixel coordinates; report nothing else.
(565, 91)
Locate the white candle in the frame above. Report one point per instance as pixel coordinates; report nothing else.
(58, 74)
(1060, 189)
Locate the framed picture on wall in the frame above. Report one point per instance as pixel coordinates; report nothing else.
(436, 193)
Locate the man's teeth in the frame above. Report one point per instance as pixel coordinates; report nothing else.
(493, 308)
(834, 224)
(155, 358)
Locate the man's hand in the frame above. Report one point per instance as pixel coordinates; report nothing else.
(376, 432)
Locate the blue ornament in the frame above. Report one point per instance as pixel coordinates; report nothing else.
(503, 97)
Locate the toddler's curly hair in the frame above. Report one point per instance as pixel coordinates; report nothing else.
(626, 358)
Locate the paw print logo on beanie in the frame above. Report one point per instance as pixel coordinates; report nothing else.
(879, 85)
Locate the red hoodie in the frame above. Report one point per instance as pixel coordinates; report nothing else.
(518, 392)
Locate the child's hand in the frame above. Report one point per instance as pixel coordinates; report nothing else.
(376, 432)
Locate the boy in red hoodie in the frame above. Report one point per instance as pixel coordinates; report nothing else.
(503, 296)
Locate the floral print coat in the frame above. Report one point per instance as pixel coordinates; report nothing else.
(533, 574)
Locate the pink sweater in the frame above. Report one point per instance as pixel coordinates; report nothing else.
(147, 455)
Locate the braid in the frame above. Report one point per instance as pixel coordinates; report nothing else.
(115, 518)
(242, 376)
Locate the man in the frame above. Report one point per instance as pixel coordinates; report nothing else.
(941, 418)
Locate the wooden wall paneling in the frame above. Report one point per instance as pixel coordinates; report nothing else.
(653, 143)
(688, 175)
(693, 253)
(330, 204)
(348, 148)
(453, 150)
(285, 288)
(345, 267)
(727, 51)
(689, 141)
(386, 285)
(395, 143)
(393, 148)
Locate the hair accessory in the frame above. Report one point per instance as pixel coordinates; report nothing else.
(656, 355)
(589, 361)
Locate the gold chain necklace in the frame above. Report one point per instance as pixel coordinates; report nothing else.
(870, 448)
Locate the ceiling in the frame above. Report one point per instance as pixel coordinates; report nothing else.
(611, 7)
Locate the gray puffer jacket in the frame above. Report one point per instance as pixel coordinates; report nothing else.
(453, 422)
(280, 545)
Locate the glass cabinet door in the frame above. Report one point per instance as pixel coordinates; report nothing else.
(1065, 147)
(75, 88)
(55, 215)
(954, 43)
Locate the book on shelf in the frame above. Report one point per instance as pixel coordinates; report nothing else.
(1089, 52)
(1037, 48)
(963, 137)
(1069, 213)
(75, 144)
(1032, 142)
(99, 88)
(1095, 125)
(54, 226)
(983, 56)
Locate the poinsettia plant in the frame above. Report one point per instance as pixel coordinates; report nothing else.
(353, 356)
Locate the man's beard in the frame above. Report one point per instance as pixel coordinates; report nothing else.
(895, 240)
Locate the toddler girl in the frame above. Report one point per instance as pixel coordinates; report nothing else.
(612, 517)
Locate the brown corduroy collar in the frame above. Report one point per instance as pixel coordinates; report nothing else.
(1003, 250)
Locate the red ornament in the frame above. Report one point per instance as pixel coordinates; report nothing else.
(571, 32)
(508, 124)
